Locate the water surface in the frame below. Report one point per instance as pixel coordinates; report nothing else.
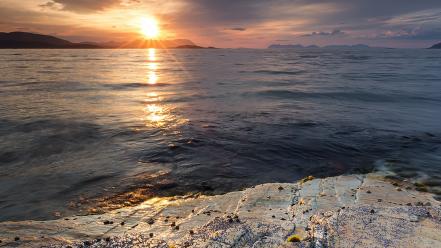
(86, 124)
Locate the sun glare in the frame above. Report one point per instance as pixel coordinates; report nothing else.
(149, 28)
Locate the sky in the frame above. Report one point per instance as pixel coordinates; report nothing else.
(233, 23)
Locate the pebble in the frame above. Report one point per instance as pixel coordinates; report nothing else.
(150, 221)
(107, 222)
(280, 188)
(372, 211)
(151, 235)
(173, 224)
(122, 223)
(177, 227)
(413, 218)
(191, 232)
(368, 192)
(17, 238)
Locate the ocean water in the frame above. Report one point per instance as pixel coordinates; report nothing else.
(80, 128)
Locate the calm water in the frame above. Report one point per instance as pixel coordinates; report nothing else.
(83, 124)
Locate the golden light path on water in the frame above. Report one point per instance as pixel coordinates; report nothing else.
(157, 114)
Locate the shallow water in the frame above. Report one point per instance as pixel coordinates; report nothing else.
(83, 124)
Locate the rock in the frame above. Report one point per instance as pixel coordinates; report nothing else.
(360, 220)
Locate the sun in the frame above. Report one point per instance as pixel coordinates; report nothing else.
(149, 28)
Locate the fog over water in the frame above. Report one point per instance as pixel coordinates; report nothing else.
(84, 124)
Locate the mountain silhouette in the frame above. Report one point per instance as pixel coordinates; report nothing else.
(31, 40)
(436, 46)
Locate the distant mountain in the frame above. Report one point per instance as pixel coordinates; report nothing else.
(143, 43)
(436, 46)
(358, 46)
(279, 46)
(30, 40)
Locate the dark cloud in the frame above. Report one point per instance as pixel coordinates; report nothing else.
(280, 19)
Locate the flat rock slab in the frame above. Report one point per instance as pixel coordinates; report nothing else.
(343, 211)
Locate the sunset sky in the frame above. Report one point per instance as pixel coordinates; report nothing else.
(233, 23)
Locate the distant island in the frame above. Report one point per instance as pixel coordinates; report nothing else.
(31, 40)
(436, 46)
(279, 46)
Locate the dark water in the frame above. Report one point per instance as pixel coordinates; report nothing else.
(82, 124)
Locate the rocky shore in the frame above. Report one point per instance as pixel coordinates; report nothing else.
(343, 211)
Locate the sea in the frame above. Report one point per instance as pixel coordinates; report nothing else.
(86, 131)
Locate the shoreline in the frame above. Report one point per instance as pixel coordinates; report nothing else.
(343, 211)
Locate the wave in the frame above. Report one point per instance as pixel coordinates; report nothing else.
(273, 72)
(339, 95)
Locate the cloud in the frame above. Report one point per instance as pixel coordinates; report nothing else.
(237, 29)
(82, 5)
(335, 32)
(225, 21)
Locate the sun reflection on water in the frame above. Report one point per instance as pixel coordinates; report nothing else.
(157, 114)
(152, 67)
